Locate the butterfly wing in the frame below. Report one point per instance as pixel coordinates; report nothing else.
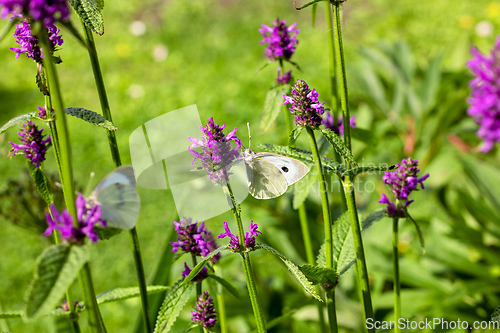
(265, 181)
(117, 195)
(292, 169)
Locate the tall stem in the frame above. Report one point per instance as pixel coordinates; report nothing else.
(115, 153)
(247, 266)
(66, 170)
(397, 283)
(327, 221)
(221, 307)
(362, 271)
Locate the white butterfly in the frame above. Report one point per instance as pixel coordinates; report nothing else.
(118, 198)
(269, 175)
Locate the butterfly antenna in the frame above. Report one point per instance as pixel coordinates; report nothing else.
(89, 184)
(249, 136)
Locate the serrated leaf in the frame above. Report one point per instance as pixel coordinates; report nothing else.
(364, 169)
(273, 105)
(229, 287)
(321, 275)
(344, 255)
(17, 120)
(91, 117)
(10, 315)
(202, 263)
(294, 269)
(294, 136)
(56, 269)
(42, 183)
(364, 136)
(495, 316)
(120, 294)
(302, 155)
(89, 12)
(172, 306)
(337, 143)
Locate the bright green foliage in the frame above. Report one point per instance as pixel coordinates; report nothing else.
(273, 106)
(176, 298)
(337, 143)
(41, 182)
(120, 294)
(229, 287)
(321, 275)
(294, 269)
(91, 117)
(202, 263)
(294, 135)
(56, 269)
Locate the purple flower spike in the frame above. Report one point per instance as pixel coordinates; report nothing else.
(485, 95)
(29, 43)
(88, 218)
(305, 105)
(281, 39)
(194, 239)
(199, 277)
(284, 78)
(234, 243)
(402, 182)
(336, 126)
(217, 154)
(46, 11)
(34, 145)
(205, 314)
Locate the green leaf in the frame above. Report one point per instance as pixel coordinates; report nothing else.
(364, 169)
(321, 275)
(337, 143)
(344, 255)
(89, 12)
(56, 269)
(120, 294)
(42, 183)
(100, 4)
(17, 120)
(229, 287)
(294, 269)
(364, 136)
(419, 232)
(107, 232)
(294, 136)
(202, 263)
(172, 306)
(495, 316)
(10, 315)
(91, 117)
(273, 106)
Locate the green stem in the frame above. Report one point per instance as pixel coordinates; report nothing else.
(247, 266)
(362, 271)
(330, 306)
(221, 307)
(115, 153)
(94, 316)
(65, 167)
(198, 289)
(397, 283)
(305, 234)
(327, 221)
(141, 278)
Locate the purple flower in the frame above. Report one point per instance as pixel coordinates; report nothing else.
(217, 155)
(284, 78)
(76, 306)
(46, 11)
(485, 95)
(336, 126)
(87, 219)
(305, 105)
(402, 182)
(234, 243)
(281, 40)
(199, 277)
(205, 314)
(193, 239)
(34, 145)
(42, 112)
(29, 43)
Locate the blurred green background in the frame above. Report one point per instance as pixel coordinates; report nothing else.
(408, 84)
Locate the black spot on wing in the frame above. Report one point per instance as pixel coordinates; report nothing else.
(284, 169)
